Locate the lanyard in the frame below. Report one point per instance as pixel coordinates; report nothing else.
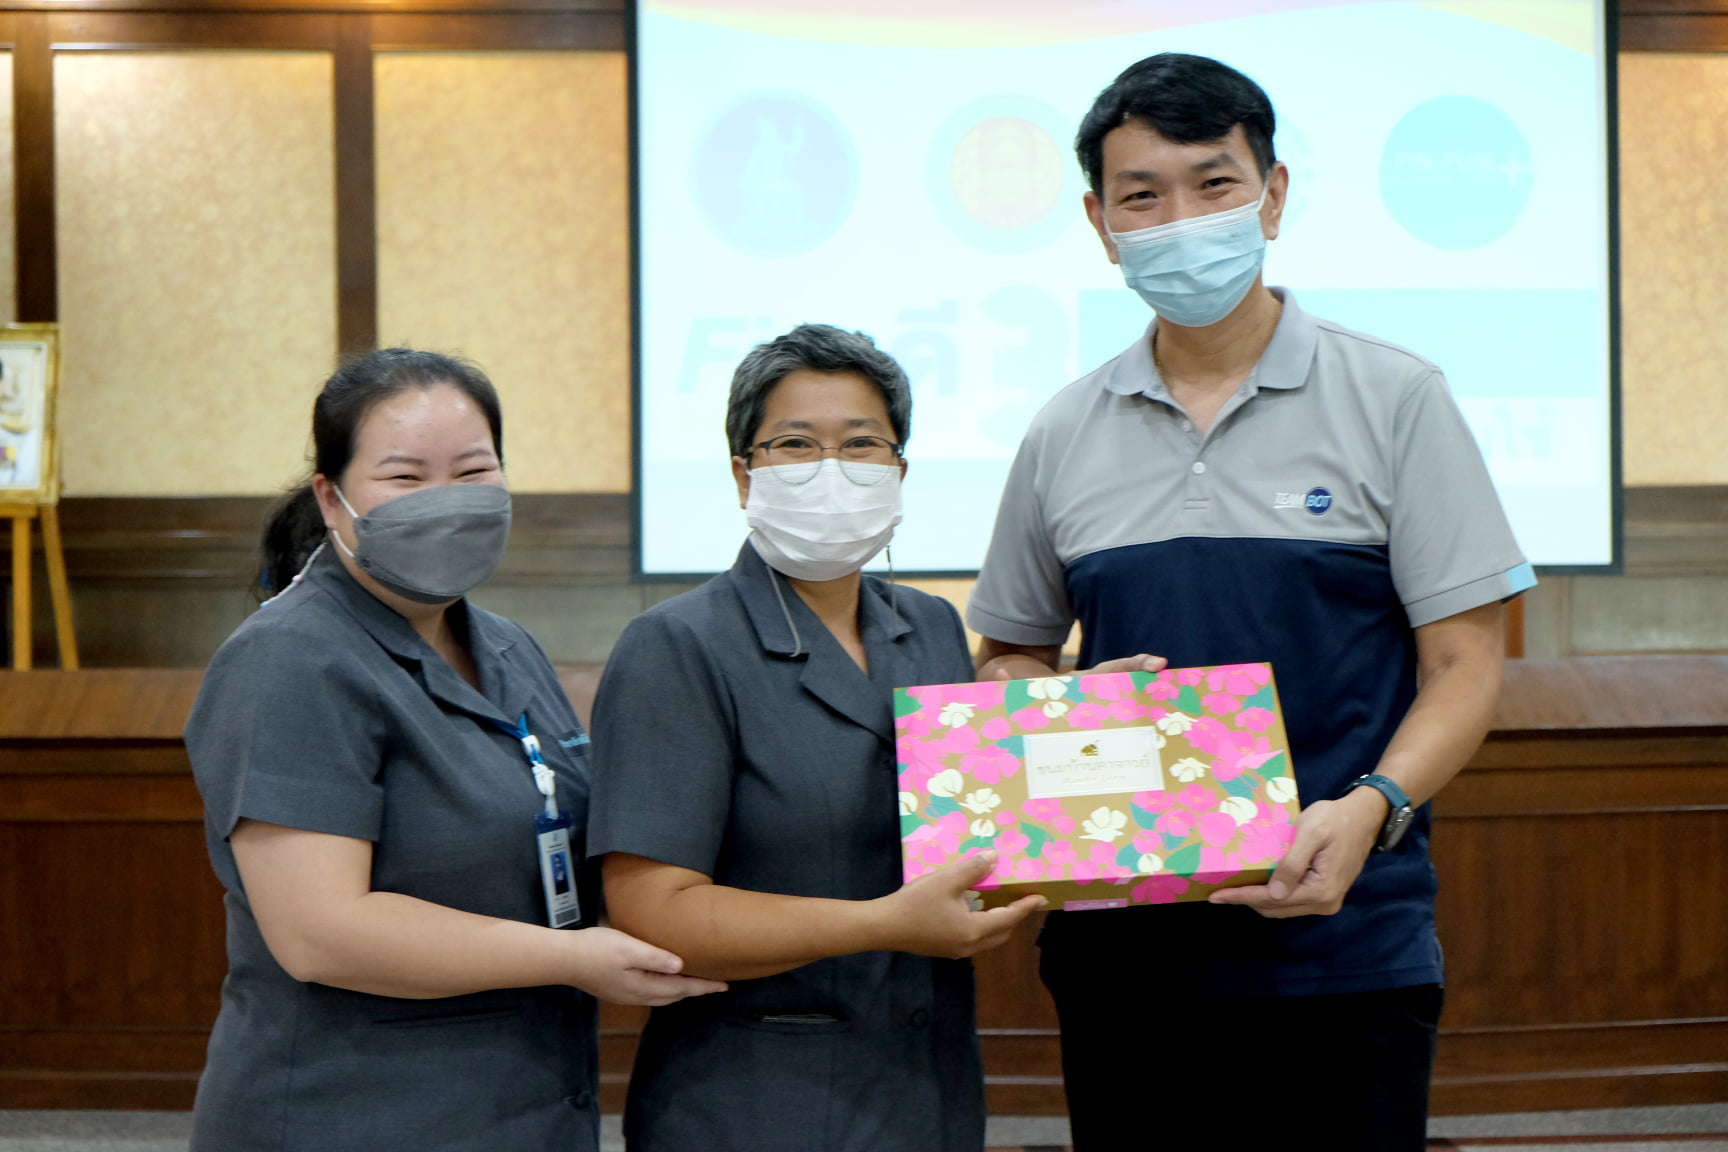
(543, 778)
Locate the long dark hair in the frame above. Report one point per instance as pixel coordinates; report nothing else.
(295, 526)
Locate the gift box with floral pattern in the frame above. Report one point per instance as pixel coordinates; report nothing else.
(1099, 791)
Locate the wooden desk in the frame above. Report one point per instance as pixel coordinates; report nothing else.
(1580, 857)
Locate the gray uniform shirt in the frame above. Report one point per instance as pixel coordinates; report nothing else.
(728, 745)
(326, 712)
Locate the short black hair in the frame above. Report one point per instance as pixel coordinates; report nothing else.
(1185, 99)
(820, 348)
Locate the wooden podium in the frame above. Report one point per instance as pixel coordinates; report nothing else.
(21, 515)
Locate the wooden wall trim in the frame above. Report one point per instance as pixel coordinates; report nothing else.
(179, 31)
(33, 169)
(476, 32)
(356, 191)
(569, 540)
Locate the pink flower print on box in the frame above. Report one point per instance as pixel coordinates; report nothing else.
(1059, 853)
(932, 844)
(1220, 702)
(1049, 812)
(1027, 868)
(957, 740)
(1262, 843)
(1153, 802)
(1030, 719)
(1217, 828)
(1109, 686)
(1232, 764)
(1239, 679)
(1159, 890)
(995, 728)
(1196, 797)
(1088, 716)
(1255, 719)
(1161, 689)
(1216, 866)
(913, 725)
(1188, 677)
(990, 764)
(1177, 823)
(1104, 857)
(919, 760)
(1125, 711)
(1209, 735)
(1011, 843)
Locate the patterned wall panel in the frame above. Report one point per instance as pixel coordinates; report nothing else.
(503, 234)
(1673, 287)
(8, 238)
(197, 267)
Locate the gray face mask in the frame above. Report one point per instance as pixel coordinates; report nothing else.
(433, 545)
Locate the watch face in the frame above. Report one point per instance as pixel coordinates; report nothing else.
(1394, 829)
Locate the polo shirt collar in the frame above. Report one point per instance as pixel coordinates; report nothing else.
(487, 644)
(1283, 365)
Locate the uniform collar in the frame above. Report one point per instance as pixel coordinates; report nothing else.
(488, 641)
(1284, 364)
(755, 583)
(829, 674)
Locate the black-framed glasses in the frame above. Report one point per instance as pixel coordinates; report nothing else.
(801, 457)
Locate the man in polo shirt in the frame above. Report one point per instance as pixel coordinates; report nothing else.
(1248, 482)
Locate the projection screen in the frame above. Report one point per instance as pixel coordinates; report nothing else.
(907, 169)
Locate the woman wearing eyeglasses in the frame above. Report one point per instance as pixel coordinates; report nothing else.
(744, 799)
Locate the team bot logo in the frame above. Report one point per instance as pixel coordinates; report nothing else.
(1319, 501)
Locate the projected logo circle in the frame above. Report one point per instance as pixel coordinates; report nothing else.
(775, 175)
(1456, 172)
(998, 177)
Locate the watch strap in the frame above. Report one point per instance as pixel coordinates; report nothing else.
(1385, 785)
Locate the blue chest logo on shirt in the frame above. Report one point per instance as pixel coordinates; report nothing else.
(1319, 501)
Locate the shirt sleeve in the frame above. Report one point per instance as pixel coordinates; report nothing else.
(665, 747)
(1451, 547)
(1022, 594)
(288, 729)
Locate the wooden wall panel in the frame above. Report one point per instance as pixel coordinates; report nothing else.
(1586, 938)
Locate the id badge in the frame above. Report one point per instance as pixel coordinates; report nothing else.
(557, 870)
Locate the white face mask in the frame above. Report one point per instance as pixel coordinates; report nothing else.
(822, 521)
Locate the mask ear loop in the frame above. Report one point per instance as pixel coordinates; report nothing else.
(797, 644)
(893, 589)
(298, 576)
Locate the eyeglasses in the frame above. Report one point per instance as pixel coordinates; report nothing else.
(805, 456)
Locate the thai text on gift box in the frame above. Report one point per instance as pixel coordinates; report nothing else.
(1099, 791)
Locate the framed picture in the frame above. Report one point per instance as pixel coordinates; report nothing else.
(29, 379)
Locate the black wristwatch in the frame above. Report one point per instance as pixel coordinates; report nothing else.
(1399, 818)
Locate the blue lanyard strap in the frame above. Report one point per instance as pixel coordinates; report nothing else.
(543, 777)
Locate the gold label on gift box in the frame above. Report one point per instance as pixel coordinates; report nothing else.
(1060, 764)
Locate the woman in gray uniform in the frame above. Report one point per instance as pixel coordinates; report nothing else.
(745, 799)
(383, 768)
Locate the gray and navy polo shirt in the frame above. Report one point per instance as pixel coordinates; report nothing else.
(1337, 503)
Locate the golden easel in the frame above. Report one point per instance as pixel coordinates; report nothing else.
(37, 348)
(58, 591)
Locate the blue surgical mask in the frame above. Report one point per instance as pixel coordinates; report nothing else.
(1194, 272)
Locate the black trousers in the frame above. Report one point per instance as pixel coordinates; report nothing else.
(1158, 1068)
